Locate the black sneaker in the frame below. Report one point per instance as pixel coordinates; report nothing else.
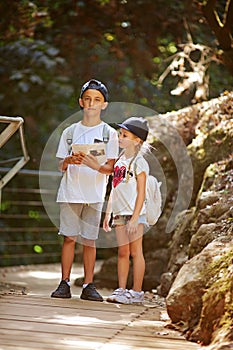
(62, 291)
(90, 293)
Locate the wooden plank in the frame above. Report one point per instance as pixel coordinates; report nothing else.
(58, 344)
(67, 318)
(142, 344)
(64, 329)
(73, 303)
(51, 338)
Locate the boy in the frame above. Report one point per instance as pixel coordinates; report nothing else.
(83, 186)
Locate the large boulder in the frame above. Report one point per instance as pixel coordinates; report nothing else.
(185, 298)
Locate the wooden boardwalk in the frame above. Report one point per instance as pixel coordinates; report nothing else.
(35, 322)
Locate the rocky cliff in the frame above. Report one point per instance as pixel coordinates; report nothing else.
(189, 252)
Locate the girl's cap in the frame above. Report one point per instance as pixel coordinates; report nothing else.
(95, 85)
(137, 125)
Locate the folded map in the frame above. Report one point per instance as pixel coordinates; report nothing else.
(96, 149)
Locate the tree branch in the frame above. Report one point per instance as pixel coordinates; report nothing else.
(221, 30)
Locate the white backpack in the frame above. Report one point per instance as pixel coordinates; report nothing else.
(153, 200)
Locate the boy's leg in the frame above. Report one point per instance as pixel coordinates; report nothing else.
(91, 216)
(68, 248)
(67, 257)
(89, 258)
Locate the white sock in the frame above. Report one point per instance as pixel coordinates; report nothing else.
(85, 285)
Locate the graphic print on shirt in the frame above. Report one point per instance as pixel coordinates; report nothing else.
(118, 175)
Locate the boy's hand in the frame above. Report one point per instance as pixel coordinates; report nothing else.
(73, 160)
(77, 158)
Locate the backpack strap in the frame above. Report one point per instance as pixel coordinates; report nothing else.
(106, 133)
(129, 168)
(70, 132)
(69, 137)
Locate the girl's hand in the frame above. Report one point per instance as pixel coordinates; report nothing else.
(89, 160)
(106, 226)
(132, 226)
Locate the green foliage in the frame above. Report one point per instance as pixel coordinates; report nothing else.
(48, 49)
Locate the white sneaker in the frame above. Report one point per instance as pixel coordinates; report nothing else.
(136, 297)
(130, 297)
(116, 293)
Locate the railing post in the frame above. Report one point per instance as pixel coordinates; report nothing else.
(15, 123)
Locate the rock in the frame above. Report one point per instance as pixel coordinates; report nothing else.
(202, 237)
(179, 245)
(185, 297)
(215, 323)
(207, 198)
(165, 284)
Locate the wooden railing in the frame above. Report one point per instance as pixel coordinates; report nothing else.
(9, 126)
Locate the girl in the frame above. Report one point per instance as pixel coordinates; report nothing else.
(126, 202)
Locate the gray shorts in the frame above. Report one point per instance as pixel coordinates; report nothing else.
(80, 219)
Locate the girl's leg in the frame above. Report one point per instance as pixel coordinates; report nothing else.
(123, 256)
(136, 252)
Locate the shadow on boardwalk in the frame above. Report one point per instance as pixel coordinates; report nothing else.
(30, 319)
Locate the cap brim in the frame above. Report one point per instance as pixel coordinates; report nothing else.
(123, 126)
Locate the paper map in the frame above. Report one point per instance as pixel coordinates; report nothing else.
(96, 149)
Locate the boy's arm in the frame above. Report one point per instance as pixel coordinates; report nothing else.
(63, 163)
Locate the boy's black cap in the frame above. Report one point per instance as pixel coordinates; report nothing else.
(95, 85)
(137, 125)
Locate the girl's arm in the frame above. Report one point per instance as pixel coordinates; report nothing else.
(91, 161)
(141, 191)
(107, 218)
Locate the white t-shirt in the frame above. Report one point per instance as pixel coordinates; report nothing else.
(81, 184)
(124, 193)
